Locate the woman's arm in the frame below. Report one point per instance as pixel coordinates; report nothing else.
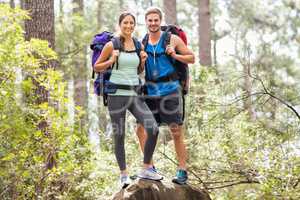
(106, 58)
(143, 56)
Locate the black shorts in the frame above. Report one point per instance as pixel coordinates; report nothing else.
(166, 109)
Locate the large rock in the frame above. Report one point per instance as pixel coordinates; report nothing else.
(152, 190)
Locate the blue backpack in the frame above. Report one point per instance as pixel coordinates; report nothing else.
(102, 85)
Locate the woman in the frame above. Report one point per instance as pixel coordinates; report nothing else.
(127, 99)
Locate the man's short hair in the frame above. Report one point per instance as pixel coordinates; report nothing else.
(153, 10)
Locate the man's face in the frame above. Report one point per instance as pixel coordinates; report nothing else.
(153, 22)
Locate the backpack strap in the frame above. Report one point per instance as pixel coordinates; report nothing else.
(93, 74)
(170, 77)
(137, 45)
(145, 40)
(166, 35)
(113, 86)
(166, 43)
(167, 40)
(117, 46)
(138, 49)
(117, 43)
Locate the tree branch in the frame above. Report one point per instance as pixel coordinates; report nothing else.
(233, 184)
(266, 91)
(174, 162)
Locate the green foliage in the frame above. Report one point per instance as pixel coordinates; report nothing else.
(236, 157)
(26, 151)
(71, 40)
(226, 148)
(230, 154)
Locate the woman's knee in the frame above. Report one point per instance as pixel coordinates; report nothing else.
(152, 129)
(119, 138)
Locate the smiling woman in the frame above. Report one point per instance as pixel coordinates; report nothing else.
(129, 59)
(127, 24)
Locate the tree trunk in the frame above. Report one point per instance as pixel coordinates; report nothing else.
(204, 33)
(12, 3)
(78, 9)
(170, 11)
(61, 12)
(41, 26)
(22, 4)
(101, 110)
(99, 15)
(42, 23)
(122, 6)
(214, 39)
(247, 86)
(215, 52)
(151, 3)
(80, 73)
(248, 90)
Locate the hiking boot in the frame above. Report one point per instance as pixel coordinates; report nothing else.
(124, 181)
(150, 174)
(181, 177)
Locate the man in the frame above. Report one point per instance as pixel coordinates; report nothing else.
(163, 92)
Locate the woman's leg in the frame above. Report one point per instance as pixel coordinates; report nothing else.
(143, 115)
(117, 106)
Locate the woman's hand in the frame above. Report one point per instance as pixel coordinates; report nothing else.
(143, 56)
(114, 56)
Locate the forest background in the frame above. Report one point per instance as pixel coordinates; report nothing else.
(242, 112)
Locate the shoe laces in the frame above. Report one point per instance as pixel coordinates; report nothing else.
(123, 178)
(152, 169)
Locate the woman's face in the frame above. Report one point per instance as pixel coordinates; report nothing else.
(127, 25)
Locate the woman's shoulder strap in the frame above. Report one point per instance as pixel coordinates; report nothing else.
(116, 43)
(137, 44)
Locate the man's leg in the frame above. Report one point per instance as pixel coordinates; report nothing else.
(142, 136)
(171, 110)
(177, 132)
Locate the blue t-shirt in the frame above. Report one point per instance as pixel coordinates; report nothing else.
(159, 65)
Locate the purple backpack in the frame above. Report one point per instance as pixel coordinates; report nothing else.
(97, 45)
(102, 85)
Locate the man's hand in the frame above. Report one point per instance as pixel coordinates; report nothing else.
(170, 51)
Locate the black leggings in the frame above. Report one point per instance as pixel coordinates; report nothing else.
(117, 106)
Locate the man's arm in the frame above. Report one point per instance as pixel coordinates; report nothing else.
(179, 51)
